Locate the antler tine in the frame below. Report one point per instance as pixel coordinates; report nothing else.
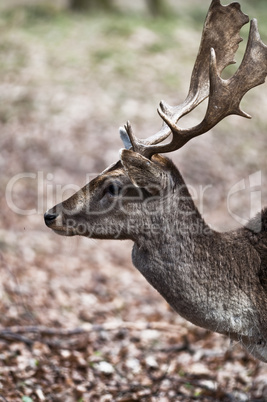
(225, 95)
(221, 32)
(139, 145)
(129, 131)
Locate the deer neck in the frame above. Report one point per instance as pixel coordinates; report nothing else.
(186, 264)
(175, 220)
(170, 235)
(175, 254)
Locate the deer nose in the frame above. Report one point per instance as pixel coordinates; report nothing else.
(49, 218)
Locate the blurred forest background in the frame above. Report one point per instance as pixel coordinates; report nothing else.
(71, 73)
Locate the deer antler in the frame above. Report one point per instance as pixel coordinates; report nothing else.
(225, 95)
(219, 43)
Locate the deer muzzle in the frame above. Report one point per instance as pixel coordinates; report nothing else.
(49, 218)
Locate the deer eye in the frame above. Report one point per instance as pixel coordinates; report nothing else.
(113, 189)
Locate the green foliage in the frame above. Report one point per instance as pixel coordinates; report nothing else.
(31, 13)
(188, 385)
(26, 399)
(93, 44)
(250, 7)
(13, 55)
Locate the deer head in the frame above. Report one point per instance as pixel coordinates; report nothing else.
(143, 197)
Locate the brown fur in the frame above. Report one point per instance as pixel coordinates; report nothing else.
(215, 280)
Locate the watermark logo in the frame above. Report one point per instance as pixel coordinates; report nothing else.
(252, 187)
(246, 192)
(47, 193)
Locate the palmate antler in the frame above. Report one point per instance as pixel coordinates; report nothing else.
(219, 43)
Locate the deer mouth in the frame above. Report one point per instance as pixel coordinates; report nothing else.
(63, 232)
(54, 222)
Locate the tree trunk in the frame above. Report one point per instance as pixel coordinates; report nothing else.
(156, 7)
(81, 5)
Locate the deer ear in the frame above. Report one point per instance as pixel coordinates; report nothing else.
(143, 172)
(125, 138)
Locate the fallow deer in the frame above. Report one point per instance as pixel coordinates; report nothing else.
(215, 280)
